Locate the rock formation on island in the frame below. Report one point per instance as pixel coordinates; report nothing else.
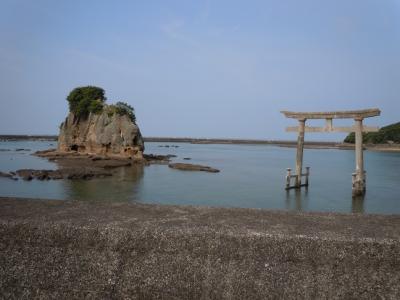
(101, 134)
(97, 128)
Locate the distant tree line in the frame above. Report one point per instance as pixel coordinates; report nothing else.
(390, 133)
(91, 99)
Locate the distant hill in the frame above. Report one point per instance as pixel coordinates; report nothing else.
(387, 134)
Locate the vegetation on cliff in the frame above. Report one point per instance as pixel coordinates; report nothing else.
(387, 134)
(122, 108)
(91, 99)
(87, 99)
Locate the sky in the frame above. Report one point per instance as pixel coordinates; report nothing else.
(206, 69)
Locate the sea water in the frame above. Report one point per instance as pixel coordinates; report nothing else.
(252, 176)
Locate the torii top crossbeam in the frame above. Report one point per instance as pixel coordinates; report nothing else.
(345, 114)
(329, 116)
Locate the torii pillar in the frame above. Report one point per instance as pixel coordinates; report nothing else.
(359, 176)
(359, 180)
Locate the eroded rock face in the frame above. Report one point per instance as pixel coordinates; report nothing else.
(104, 134)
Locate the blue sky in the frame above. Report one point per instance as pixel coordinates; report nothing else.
(200, 68)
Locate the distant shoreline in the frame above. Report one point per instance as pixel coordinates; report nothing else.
(26, 137)
(280, 143)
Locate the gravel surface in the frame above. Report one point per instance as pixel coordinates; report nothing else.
(67, 250)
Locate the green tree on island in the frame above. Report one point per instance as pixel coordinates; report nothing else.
(91, 99)
(123, 108)
(87, 99)
(390, 133)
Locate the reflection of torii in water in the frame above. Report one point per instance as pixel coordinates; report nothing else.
(358, 128)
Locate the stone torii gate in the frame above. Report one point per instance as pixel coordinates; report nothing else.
(358, 116)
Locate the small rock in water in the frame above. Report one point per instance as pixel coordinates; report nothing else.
(157, 159)
(167, 146)
(187, 158)
(7, 175)
(191, 167)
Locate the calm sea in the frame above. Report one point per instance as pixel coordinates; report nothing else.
(251, 176)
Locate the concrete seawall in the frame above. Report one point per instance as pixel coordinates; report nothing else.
(67, 250)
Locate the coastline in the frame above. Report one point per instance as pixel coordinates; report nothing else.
(26, 137)
(280, 143)
(72, 249)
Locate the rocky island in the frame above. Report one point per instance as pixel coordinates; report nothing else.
(93, 127)
(106, 133)
(94, 138)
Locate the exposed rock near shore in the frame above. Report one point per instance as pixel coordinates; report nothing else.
(158, 159)
(71, 173)
(92, 160)
(81, 160)
(75, 165)
(192, 167)
(103, 134)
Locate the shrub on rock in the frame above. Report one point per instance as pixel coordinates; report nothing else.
(87, 99)
(123, 108)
